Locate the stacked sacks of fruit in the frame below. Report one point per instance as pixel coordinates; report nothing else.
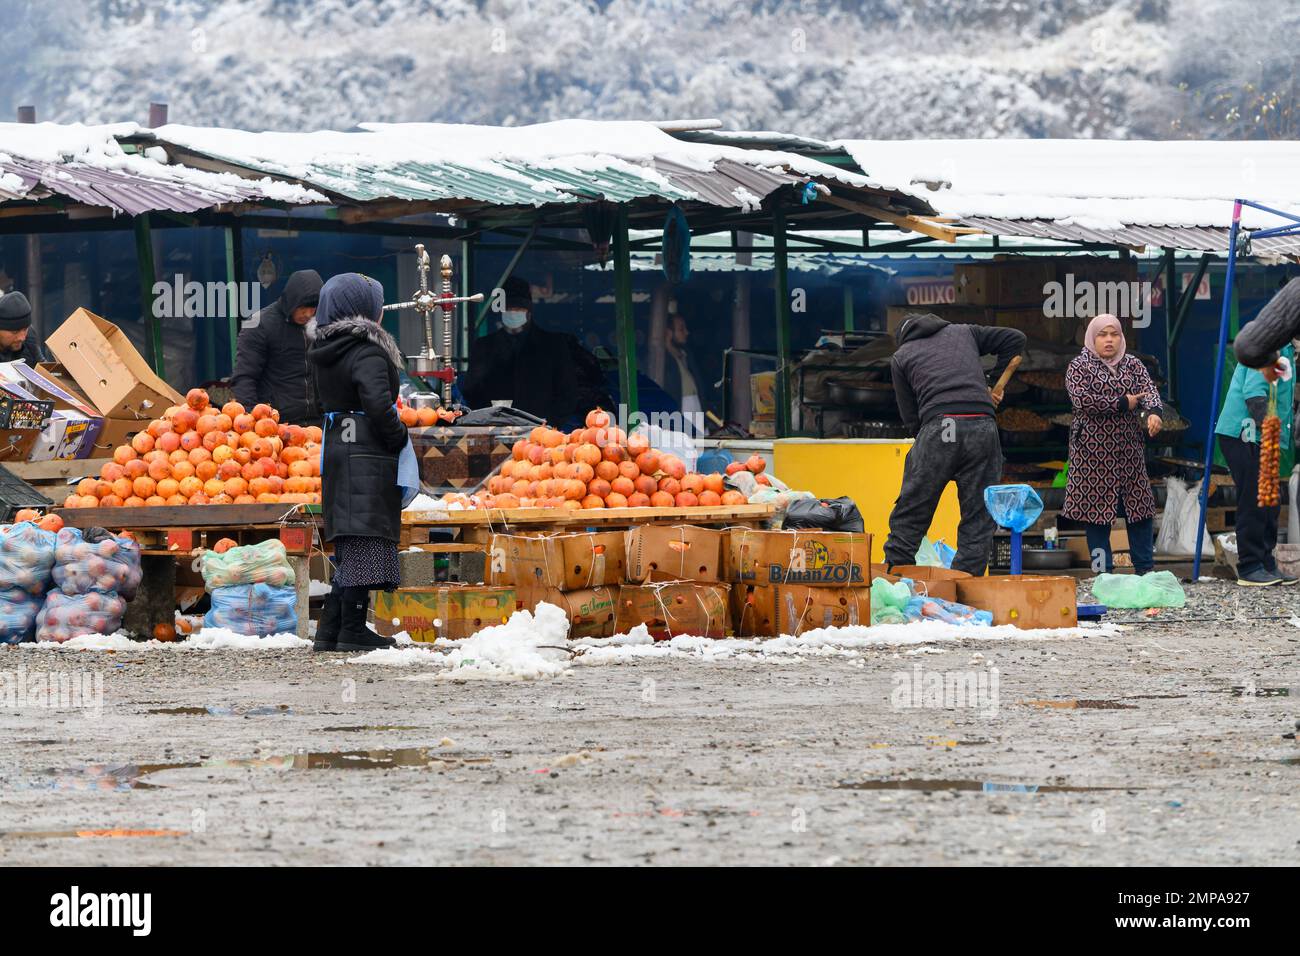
(599, 466)
(197, 454)
(26, 560)
(252, 588)
(95, 573)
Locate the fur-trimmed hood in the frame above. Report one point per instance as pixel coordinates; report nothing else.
(333, 340)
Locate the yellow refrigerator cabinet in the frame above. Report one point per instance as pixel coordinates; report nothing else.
(868, 470)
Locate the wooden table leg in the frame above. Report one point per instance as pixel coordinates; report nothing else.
(155, 600)
(301, 564)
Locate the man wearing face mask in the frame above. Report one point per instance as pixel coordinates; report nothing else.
(546, 373)
(271, 354)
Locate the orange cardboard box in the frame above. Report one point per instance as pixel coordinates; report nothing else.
(817, 558)
(773, 610)
(570, 562)
(674, 553)
(672, 609)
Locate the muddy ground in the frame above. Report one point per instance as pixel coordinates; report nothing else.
(807, 761)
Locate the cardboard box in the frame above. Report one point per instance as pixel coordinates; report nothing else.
(1025, 600)
(569, 562)
(16, 444)
(774, 610)
(1003, 282)
(674, 553)
(450, 611)
(68, 435)
(115, 432)
(109, 370)
(762, 395)
(591, 611)
(936, 582)
(820, 558)
(1077, 545)
(673, 609)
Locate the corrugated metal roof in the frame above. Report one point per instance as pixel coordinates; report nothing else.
(1200, 238)
(88, 166)
(564, 163)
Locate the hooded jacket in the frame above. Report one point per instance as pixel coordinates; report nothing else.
(355, 366)
(271, 355)
(937, 369)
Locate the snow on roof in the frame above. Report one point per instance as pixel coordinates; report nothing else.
(540, 159)
(1094, 184)
(89, 165)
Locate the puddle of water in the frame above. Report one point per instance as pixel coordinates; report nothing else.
(214, 711)
(979, 786)
(1080, 704)
(129, 776)
(1263, 692)
(360, 727)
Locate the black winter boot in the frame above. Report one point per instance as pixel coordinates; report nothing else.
(355, 635)
(327, 628)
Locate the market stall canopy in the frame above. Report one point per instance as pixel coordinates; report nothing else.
(84, 170)
(1175, 193)
(560, 167)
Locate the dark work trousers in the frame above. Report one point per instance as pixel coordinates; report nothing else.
(1256, 527)
(1141, 543)
(964, 450)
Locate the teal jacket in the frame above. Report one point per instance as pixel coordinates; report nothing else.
(1246, 384)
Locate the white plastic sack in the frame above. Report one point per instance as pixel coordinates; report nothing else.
(670, 442)
(1178, 523)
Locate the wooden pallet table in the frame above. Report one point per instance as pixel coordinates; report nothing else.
(167, 533)
(476, 526)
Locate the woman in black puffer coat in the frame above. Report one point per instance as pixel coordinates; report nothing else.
(355, 366)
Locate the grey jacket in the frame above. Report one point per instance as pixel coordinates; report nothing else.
(937, 368)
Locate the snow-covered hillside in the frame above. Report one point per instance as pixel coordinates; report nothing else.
(829, 68)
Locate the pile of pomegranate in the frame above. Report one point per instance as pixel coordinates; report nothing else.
(600, 466)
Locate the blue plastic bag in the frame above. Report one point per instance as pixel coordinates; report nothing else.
(18, 610)
(408, 473)
(26, 557)
(1014, 507)
(65, 616)
(254, 609)
(107, 562)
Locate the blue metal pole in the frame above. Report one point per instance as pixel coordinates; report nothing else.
(1017, 544)
(1218, 384)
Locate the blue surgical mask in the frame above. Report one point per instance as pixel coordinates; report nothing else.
(514, 320)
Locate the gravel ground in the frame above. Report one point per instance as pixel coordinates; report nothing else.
(1178, 720)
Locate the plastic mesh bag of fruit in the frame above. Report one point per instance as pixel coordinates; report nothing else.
(254, 609)
(65, 616)
(264, 563)
(96, 560)
(1014, 507)
(1157, 589)
(18, 610)
(26, 557)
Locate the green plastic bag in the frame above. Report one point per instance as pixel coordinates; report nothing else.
(888, 599)
(265, 563)
(1157, 589)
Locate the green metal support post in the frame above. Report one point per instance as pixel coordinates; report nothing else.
(234, 275)
(466, 289)
(625, 325)
(781, 290)
(145, 263)
(848, 308)
(1171, 276)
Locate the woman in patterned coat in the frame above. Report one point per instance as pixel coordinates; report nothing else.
(1116, 406)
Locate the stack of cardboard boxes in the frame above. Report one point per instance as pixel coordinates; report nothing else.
(788, 582)
(685, 580)
(99, 394)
